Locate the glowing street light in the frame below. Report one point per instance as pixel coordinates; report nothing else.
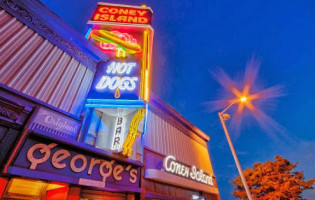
(223, 117)
(244, 99)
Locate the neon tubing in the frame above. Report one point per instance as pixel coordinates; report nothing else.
(100, 34)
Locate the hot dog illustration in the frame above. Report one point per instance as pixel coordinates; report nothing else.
(115, 40)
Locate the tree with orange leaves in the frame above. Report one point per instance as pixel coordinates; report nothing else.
(273, 180)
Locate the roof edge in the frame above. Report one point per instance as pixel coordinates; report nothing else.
(157, 101)
(49, 25)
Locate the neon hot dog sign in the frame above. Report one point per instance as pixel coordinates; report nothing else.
(118, 77)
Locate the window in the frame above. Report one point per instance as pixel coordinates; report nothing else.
(34, 189)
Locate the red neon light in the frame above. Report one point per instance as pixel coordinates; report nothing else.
(17, 146)
(123, 36)
(3, 184)
(122, 14)
(108, 46)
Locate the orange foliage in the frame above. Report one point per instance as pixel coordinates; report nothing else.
(273, 180)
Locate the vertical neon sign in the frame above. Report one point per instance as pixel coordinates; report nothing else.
(118, 133)
(124, 33)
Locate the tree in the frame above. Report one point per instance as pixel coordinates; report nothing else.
(273, 180)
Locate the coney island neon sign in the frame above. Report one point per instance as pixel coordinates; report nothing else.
(122, 14)
(172, 166)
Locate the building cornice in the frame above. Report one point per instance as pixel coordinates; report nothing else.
(46, 23)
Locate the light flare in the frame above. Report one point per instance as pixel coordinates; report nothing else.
(243, 99)
(246, 99)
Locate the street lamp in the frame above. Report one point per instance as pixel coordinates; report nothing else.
(224, 117)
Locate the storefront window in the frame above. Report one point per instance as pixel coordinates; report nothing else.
(36, 190)
(102, 195)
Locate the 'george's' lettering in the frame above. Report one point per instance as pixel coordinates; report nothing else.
(78, 163)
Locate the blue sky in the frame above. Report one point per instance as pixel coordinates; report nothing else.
(195, 38)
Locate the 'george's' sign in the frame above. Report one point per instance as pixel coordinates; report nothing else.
(122, 14)
(55, 161)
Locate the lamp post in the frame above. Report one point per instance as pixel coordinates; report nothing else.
(223, 117)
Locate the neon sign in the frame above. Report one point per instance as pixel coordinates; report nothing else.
(110, 45)
(124, 34)
(81, 168)
(122, 14)
(118, 82)
(122, 43)
(118, 134)
(172, 166)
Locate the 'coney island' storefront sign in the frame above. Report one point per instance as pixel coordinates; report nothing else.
(191, 172)
(54, 161)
